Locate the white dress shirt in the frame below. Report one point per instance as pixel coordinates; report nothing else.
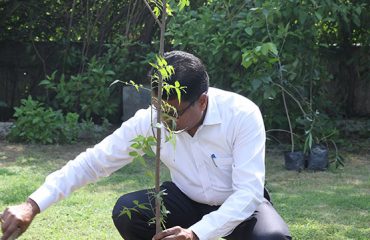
(222, 164)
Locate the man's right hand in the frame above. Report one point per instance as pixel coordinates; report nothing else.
(16, 219)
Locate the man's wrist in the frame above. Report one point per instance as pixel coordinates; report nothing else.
(195, 237)
(34, 206)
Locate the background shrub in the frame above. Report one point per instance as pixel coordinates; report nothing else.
(37, 124)
(88, 93)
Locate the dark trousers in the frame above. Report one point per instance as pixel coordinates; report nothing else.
(265, 223)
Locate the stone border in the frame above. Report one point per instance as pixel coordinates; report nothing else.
(5, 129)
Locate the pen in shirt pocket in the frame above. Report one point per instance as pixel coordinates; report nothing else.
(213, 157)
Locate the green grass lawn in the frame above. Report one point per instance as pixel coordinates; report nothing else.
(316, 205)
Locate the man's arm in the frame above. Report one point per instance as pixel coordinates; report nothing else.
(106, 157)
(100, 161)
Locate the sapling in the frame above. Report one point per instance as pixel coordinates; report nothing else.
(164, 112)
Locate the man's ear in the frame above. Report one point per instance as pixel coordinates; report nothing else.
(203, 101)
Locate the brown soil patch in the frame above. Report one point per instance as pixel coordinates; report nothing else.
(10, 152)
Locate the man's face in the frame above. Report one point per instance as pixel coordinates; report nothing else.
(190, 114)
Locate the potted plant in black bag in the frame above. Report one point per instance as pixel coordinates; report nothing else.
(294, 160)
(319, 135)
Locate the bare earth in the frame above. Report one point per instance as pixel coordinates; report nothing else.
(9, 152)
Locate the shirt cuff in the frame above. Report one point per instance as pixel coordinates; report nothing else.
(199, 231)
(205, 231)
(43, 197)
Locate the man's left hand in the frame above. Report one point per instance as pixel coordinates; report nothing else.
(176, 233)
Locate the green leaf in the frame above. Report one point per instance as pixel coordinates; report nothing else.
(161, 61)
(163, 73)
(339, 160)
(142, 206)
(154, 65)
(269, 93)
(178, 92)
(135, 210)
(44, 82)
(356, 20)
(109, 72)
(249, 31)
(149, 152)
(128, 213)
(156, 11)
(171, 139)
(133, 154)
(257, 49)
(141, 160)
(358, 10)
(36, 120)
(183, 3)
(265, 48)
(170, 70)
(151, 140)
(247, 59)
(273, 49)
(287, 27)
(256, 83)
(136, 145)
(308, 142)
(169, 10)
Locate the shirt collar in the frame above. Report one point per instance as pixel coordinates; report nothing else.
(212, 115)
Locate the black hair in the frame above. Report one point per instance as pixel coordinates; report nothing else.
(189, 72)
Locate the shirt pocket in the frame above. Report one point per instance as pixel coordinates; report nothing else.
(221, 173)
(223, 162)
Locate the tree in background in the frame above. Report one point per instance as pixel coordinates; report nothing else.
(317, 41)
(244, 41)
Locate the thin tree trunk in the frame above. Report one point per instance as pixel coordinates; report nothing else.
(159, 130)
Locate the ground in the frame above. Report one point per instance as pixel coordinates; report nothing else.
(316, 205)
